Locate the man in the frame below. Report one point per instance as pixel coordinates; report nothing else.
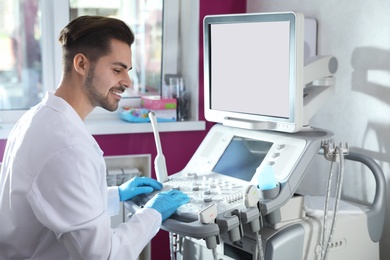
(54, 202)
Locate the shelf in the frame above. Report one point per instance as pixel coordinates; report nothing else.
(117, 126)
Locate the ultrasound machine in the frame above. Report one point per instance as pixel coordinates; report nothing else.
(243, 178)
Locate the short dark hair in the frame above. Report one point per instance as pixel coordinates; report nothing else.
(91, 36)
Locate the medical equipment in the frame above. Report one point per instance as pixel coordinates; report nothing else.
(271, 85)
(218, 175)
(233, 213)
(290, 221)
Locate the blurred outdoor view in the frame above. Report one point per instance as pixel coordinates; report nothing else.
(21, 73)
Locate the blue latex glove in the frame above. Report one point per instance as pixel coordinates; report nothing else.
(137, 186)
(167, 202)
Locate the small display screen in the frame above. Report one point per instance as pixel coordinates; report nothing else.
(242, 157)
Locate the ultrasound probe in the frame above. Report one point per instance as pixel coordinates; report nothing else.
(159, 162)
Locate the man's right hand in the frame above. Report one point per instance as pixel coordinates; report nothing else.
(167, 202)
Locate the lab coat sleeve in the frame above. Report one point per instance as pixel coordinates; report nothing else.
(127, 240)
(113, 201)
(69, 197)
(134, 231)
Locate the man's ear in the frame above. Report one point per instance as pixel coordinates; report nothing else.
(80, 63)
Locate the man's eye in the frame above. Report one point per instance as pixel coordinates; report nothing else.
(117, 71)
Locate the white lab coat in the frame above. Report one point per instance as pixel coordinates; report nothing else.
(53, 193)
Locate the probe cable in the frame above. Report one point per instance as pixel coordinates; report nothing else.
(215, 254)
(172, 245)
(260, 252)
(324, 244)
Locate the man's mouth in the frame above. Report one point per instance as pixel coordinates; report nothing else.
(118, 92)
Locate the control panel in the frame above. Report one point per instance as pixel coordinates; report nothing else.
(203, 189)
(225, 168)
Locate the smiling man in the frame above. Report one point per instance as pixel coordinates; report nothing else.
(95, 67)
(54, 201)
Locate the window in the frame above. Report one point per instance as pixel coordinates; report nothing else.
(21, 78)
(145, 18)
(25, 79)
(20, 54)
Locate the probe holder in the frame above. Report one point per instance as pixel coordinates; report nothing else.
(229, 222)
(270, 193)
(251, 217)
(267, 195)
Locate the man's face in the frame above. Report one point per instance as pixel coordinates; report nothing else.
(108, 78)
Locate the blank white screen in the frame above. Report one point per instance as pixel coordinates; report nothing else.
(250, 68)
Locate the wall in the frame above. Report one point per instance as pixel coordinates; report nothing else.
(356, 33)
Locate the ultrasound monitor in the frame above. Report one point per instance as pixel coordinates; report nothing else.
(253, 70)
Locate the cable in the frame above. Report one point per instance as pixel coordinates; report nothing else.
(338, 195)
(324, 246)
(215, 254)
(324, 227)
(260, 252)
(172, 246)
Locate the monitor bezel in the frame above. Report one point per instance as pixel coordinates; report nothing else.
(294, 121)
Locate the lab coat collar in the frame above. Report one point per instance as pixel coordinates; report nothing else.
(67, 110)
